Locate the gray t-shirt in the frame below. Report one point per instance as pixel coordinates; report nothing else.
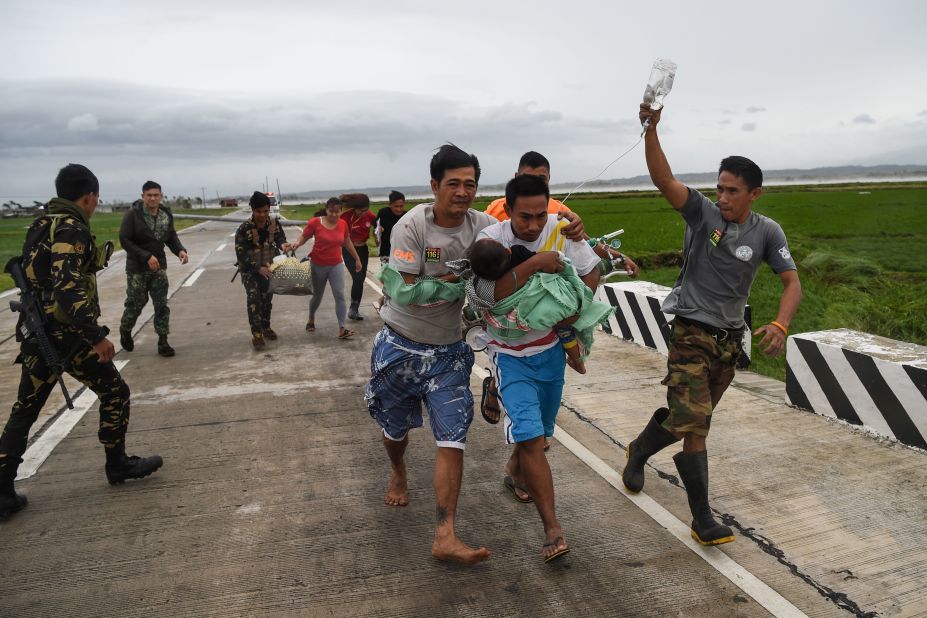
(721, 262)
(419, 247)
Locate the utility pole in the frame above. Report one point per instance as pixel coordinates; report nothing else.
(203, 190)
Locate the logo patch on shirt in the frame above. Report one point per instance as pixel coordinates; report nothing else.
(744, 253)
(432, 254)
(404, 256)
(784, 252)
(715, 236)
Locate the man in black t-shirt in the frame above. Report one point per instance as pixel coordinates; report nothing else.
(386, 219)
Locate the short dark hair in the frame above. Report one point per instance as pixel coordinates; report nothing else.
(355, 200)
(450, 157)
(743, 168)
(533, 159)
(150, 185)
(526, 185)
(74, 181)
(396, 195)
(489, 259)
(332, 201)
(258, 200)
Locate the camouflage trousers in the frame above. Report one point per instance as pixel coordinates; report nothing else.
(37, 382)
(138, 287)
(699, 370)
(259, 300)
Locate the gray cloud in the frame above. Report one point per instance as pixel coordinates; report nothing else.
(864, 119)
(119, 123)
(725, 121)
(755, 109)
(923, 112)
(748, 126)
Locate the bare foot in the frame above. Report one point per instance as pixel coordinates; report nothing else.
(576, 365)
(397, 494)
(453, 549)
(555, 546)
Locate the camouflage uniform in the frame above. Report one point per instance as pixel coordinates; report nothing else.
(256, 247)
(700, 367)
(62, 268)
(143, 236)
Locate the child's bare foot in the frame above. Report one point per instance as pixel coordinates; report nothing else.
(575, 363)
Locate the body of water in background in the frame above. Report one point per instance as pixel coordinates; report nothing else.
(558, 190)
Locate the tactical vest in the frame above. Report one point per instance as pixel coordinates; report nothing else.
(99, 256)
(263, 253)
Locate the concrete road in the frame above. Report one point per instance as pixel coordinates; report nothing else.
(270, 499)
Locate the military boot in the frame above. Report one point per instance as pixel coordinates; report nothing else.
(10, 501)
(120, 467)
(164, 348)
(125, 338)
(257, 340)
(693, 468)
(354, 312)
(270, 334)
(651, 440)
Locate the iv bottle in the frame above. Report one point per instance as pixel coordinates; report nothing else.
(660, 83)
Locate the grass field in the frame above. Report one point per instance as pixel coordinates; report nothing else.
(861, 252)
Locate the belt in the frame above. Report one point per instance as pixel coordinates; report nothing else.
(720, 334)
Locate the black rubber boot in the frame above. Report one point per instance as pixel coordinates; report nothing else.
(693, 468)
(652, 439)
(164, 348)
(121, 467)
(10, 501)
(125, 338)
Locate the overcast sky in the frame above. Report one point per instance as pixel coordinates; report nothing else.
(330, 95)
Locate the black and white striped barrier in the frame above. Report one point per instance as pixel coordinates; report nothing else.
(860, 378)
(638, 317)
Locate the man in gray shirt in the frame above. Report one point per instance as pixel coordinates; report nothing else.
(725, 243)
(419, 356)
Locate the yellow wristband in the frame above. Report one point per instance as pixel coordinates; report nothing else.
(784, 330)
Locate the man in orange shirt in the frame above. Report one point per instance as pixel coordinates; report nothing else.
(536, 164)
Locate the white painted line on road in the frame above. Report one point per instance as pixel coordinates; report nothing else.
(39, 450)
(771, 600)
(222, 246)
(192, 278)
(376, 288)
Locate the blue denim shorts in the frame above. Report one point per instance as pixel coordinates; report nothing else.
(405, 373)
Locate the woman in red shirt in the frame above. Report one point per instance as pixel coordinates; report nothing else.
(360, 223)
(331, 234)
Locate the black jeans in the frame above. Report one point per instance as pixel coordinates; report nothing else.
(357, 278)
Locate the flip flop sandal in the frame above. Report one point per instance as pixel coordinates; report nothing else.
(345, 334)
(484, 406)
(556, 554)
(512, 486)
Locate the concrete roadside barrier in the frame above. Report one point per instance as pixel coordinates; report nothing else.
(638, 317)
(862, 379)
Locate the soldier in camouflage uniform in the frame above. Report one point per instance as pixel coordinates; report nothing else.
(725, 245)
(60, 261)
(257, 241)
(146, 228)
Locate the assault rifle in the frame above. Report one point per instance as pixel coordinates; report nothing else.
(32, 323)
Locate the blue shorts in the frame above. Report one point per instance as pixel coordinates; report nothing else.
(530, 388)
(404, 373)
